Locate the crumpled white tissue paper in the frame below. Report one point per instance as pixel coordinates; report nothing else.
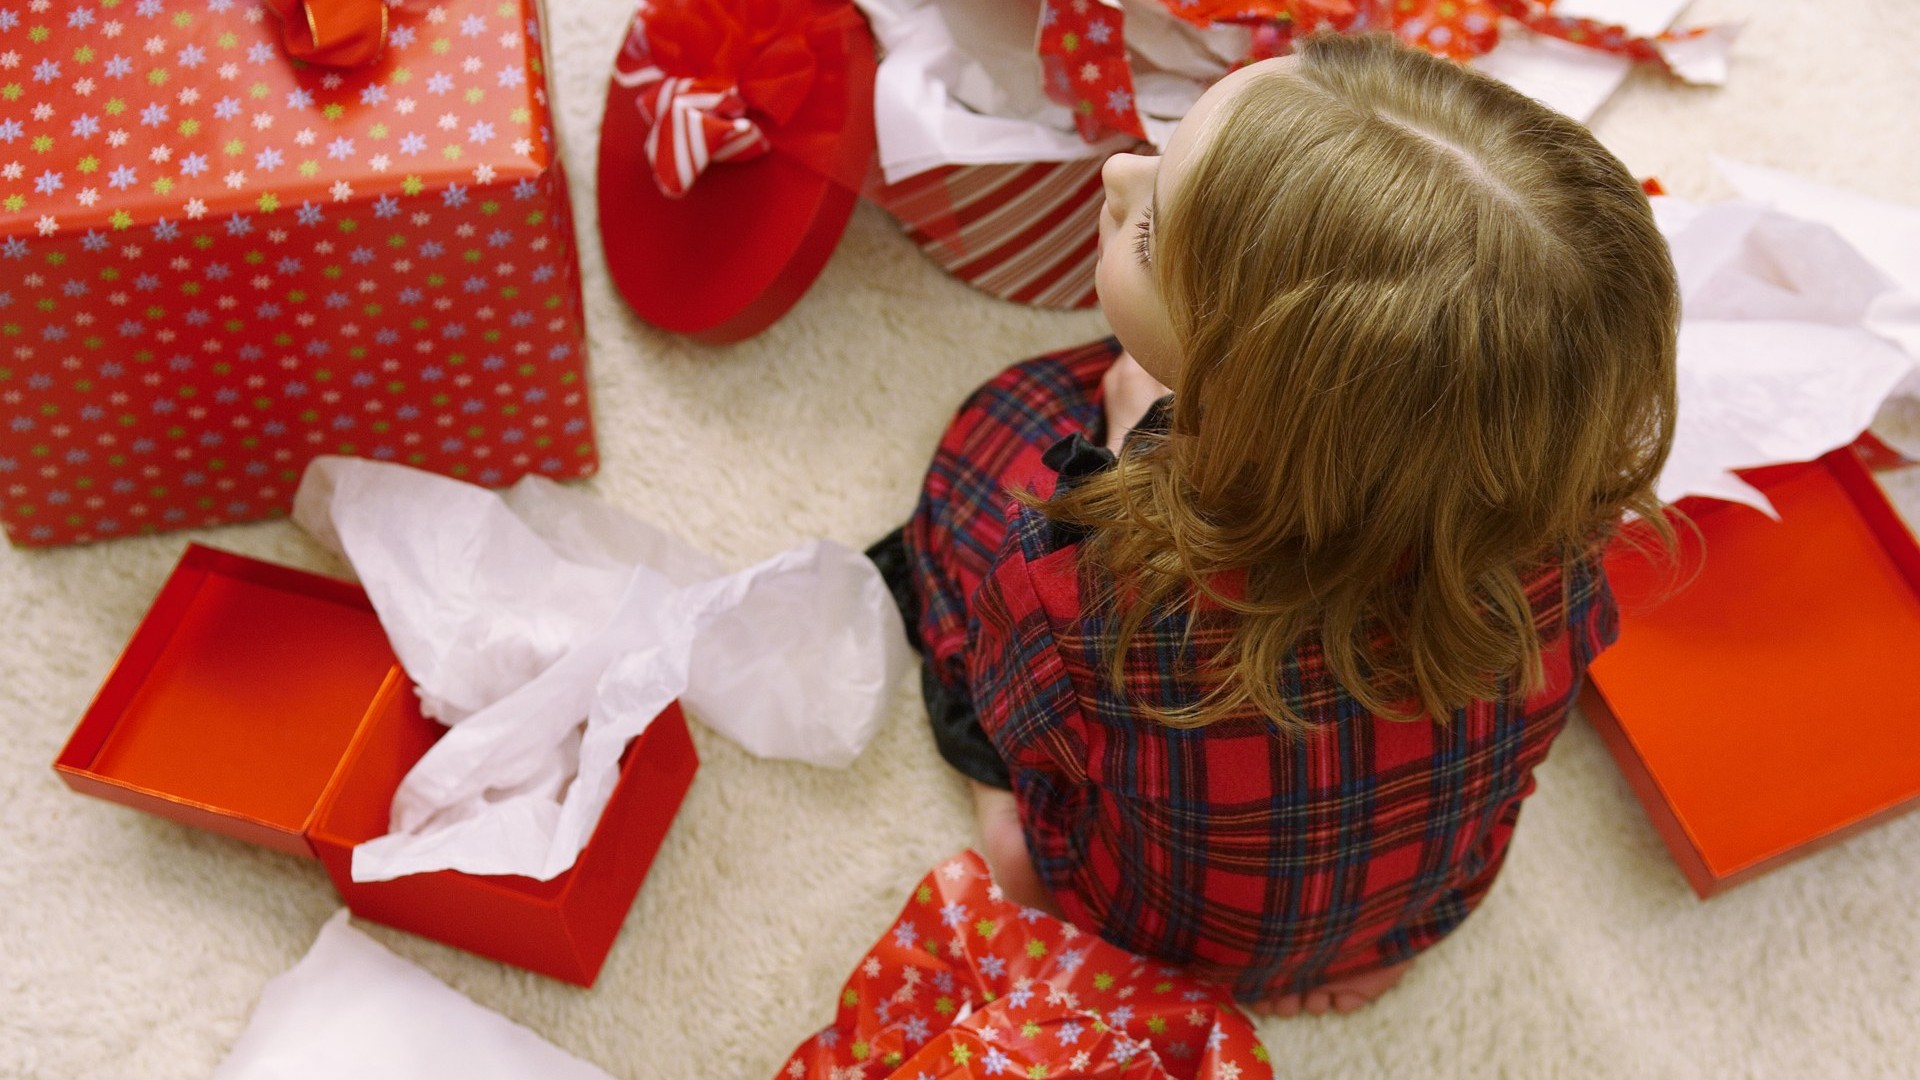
(351, 1008)
(1888, 235)
(965, 90)
(521, 616)
(1786, 350)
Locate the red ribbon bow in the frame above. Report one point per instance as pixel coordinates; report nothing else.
(715, 81)
(332, 33)
(694, 121)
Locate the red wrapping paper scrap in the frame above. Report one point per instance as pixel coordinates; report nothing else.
(967, 984)
(1083, 57)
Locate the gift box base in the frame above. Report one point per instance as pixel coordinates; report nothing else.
(265, 703)
(561, 928)
(1767, 707)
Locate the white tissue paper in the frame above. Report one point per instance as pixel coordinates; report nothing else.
(351, 1008)
(1787, 342)
(1888, 235)
(522, 616)
(959, 83)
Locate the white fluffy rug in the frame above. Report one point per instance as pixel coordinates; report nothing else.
(130, 946)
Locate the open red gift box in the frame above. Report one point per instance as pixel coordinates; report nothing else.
(1768, 706)
(265, 703)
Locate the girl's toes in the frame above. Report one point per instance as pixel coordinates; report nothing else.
(1280, 1005)
(1347, 1001)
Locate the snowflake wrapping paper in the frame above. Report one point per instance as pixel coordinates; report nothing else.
(968, 984)
(217, 262)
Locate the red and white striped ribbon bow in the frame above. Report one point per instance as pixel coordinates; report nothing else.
(693, 122)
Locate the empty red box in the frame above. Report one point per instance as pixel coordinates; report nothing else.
(1761, 699)
(265, 703)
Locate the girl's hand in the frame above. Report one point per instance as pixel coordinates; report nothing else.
(1126, 393)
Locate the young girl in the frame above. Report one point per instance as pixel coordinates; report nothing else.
(1256, 683)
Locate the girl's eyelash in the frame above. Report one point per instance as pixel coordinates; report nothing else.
(1142, 240)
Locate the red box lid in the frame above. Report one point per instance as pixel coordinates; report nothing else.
(175, 85)
(265, 703)
(236, 701)
(1768, 705)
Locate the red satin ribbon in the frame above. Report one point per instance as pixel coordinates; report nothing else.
(721, 80)
(332, 33)
(693, 122)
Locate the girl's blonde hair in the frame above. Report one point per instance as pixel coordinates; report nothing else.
(1428, 334)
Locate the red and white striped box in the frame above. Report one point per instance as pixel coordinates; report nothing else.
(217, 263)
(1027, 232)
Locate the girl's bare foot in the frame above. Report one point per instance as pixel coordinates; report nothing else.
(1342, 995)
(1005, 848)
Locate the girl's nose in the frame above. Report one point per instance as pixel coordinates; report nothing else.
(1128, 179)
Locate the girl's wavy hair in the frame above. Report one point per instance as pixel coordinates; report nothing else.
(1428, 334)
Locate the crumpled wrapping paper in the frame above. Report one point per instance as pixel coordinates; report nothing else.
(1577, 80)
(350, 1008)
(960, 82)
(1790, 337)
(521, 616)
(968, 984)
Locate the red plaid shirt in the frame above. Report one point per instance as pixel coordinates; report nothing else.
(1269, 861)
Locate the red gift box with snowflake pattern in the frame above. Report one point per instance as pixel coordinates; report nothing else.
(217, 262)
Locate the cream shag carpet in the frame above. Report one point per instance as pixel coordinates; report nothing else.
(130, 946)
